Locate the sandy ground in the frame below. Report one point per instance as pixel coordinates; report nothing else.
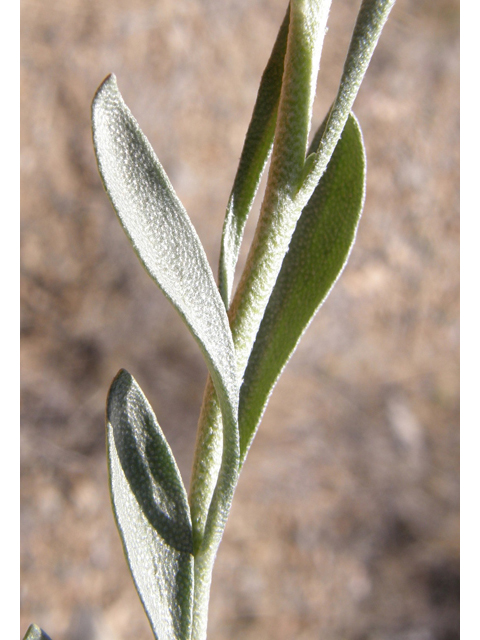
(346, 519)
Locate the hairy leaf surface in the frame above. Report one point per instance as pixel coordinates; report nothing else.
(163, 236)
(370, 21)
(151, 510)
(256, 150)
(318, 252)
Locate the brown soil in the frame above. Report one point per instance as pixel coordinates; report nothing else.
(346, 519)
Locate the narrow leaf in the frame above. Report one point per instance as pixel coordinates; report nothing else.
(255, 153)
(35, 633)
(307, 28)
(151, 510)
(161, 232)
(318, 252)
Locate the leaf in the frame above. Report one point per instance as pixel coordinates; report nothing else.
(151, 510)
(35, 633)
(318, 252)
(255, 153)
(161, 232)
(168, 246)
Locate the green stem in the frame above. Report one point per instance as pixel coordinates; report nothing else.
(280, 212)
(291, 182)
(305, 39)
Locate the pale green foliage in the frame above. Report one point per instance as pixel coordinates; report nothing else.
(308, 221)
(163, 236)
(317, 254)
(151, 509)
(256, 150)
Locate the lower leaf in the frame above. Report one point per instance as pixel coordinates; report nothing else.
(151, 510)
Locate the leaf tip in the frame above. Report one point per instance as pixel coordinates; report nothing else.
(34, 632)
(109, 84)
(109, 81)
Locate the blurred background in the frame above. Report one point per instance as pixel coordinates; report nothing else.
(345, 523)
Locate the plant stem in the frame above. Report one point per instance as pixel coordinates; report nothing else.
(291, 182)
(305, 39)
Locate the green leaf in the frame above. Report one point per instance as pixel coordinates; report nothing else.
(318, 252)
(256, 150)
(308, 20)
(161, 233)
(35, 633)
(151, 510)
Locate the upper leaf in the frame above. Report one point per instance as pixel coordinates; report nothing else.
(307, 28)
(151, 510)
(318, 252)
(161, 232)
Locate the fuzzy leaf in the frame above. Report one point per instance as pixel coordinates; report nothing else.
(151, 510)
(168, 246)
(318, 252)
(161, 232)
(255, 153)
(35, 633)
